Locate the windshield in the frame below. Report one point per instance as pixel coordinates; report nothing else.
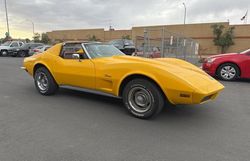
(128, 42)
(245, 52)
(7, 43)
(102, 50)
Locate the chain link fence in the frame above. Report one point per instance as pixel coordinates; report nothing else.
(160, 43)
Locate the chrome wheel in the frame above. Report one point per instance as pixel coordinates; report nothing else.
(4, 53)
(22, 54)
(228, 72)
(140, 99)
(42, 81)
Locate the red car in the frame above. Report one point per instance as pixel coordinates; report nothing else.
(153, 52)
(228, 66)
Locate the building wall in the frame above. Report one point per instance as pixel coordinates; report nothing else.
(202, 33)
(72, 35)
(242, 38)
(116, 34)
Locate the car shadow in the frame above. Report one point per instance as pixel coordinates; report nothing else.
(92, 97)
(180, 112)
(241, 80)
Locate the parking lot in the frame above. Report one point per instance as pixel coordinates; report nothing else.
(77, 126)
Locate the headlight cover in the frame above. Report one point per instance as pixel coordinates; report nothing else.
(210, 60)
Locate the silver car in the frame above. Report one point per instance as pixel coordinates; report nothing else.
(39, 49)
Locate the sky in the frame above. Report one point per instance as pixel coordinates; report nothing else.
(49, 15)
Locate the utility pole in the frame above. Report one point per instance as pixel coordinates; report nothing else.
(185, 12)
(246, 17)
(7, 19)
(33, 26)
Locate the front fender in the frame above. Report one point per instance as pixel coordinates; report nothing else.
(145, 74)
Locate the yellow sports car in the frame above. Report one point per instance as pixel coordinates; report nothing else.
(145, 85)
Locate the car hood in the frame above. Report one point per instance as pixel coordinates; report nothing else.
(182, 70)
(4, 47)
(224, 55)
(178, 65)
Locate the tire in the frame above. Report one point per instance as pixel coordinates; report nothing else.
(22, 54)
(44, 82)
(228, 72)
(142, 98)
(4, 53)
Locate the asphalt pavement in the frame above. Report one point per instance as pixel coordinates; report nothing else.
(78, 126)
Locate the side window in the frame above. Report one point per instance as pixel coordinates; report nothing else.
(14, 44)
(20, 44)
(69, 49)
(39, 47)
(34, 46)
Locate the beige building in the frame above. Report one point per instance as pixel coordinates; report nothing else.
(201, 33)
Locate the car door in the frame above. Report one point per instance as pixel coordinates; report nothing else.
(74, 72)
(246, 65)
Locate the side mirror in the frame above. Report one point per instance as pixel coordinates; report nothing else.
(76, 56)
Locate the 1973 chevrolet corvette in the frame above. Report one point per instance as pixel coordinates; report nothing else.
(145, 85)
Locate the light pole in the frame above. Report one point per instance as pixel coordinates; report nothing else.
(7, 19)
(185, 12)
(33, 26)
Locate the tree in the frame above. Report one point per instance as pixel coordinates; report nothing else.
(92, 38)
(27, 40)
(36, 37)
(223, 36)
(7, 38)
(45, 38)
(127, 37)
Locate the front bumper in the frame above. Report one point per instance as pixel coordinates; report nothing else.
(24, 68)
(209, 69)
(198, 96)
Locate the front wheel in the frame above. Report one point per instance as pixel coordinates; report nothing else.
(228, 72)
(44, 82)
(142, 98)
(4, 53)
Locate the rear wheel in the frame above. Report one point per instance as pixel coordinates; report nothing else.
(44, 82)
(142, 98)
(22, 54)
(228, 72)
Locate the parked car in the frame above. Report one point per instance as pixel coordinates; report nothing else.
(228, 66)
(145, 85)
(39, 49)
(7, 47)
(152, 52)
(24, 50)
(124, 45)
